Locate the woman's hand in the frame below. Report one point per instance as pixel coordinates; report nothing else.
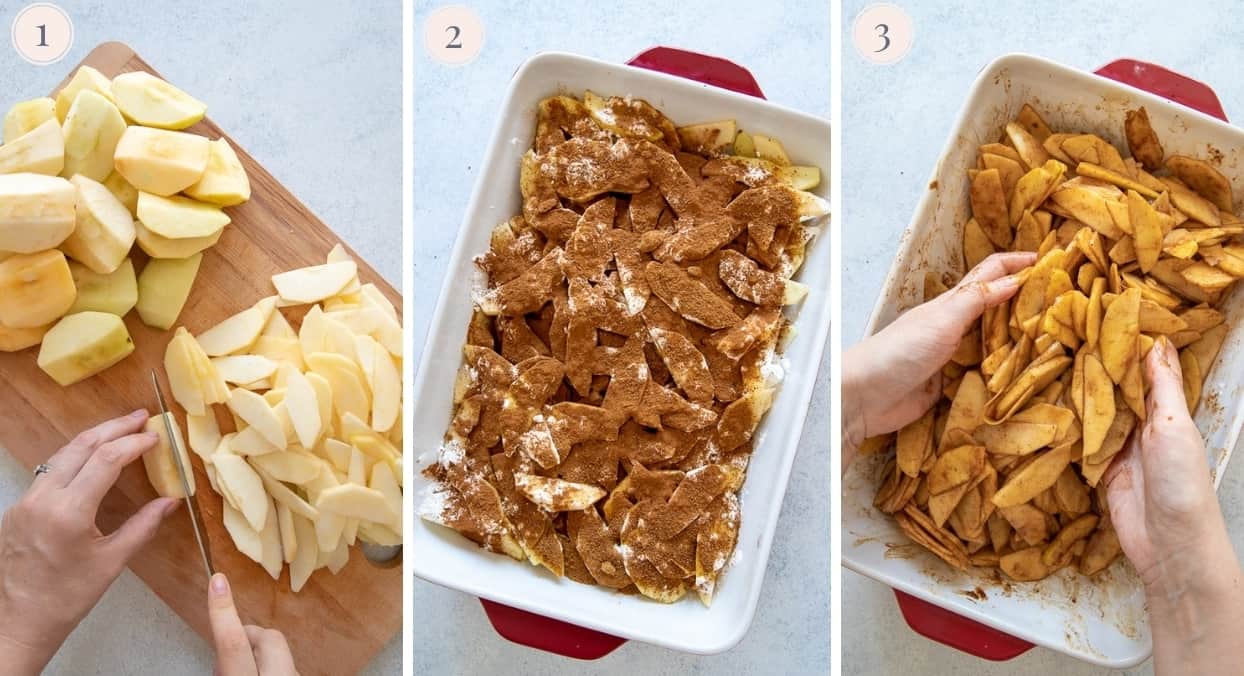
(244, 650)
(55, 564)
(891, 378)
(1164, 510)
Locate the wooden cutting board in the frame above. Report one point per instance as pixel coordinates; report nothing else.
(336, 624)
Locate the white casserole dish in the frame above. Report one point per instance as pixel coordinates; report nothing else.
(1104, 623)
(446, 558)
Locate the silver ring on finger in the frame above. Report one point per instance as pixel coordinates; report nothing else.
(43, 468)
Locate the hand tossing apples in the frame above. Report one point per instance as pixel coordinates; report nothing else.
(84, 177)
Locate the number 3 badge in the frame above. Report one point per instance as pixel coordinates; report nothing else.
(882, 33)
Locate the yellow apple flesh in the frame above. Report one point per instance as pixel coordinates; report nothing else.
(225, 181)
(115, 293)
(35, 289)
(160, 461)
(86, 78)
(163, 288)
(92, 130)
(159, 161)
(39, 151)
(158, 246)
(179, 217)
(15, 340)
(122, 190)
(27, 115)
(104, 231)
(152, 102)
(36, 212)
(83, 344)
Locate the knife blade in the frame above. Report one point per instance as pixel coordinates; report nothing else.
(192, 505)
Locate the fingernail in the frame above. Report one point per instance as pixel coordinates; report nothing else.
(171, 507)
(220, 585)
(140, 413)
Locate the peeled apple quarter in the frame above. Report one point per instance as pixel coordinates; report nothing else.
(27, 115)
(159, 463)
(104, 231)
(39, 151)
(92, 130)
(36, 212)
(159, 161)
(35, 289)
(152, 102)
(83, 344)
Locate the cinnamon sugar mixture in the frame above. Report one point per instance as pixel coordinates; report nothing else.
(618, 362)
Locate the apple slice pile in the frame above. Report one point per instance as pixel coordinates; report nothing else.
(83, 178)
(314, 462)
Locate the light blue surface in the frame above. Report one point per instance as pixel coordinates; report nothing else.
(786, 47)
(313, 92)
(895, 122)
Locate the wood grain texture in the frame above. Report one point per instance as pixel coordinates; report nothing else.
(336, 624)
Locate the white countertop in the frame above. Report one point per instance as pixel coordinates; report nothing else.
(313, 92)
(786, 47)
(895, 122)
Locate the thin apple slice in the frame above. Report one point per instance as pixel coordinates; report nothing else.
(244, 369)
(244, 536)
(379, 535)
(292, 467)
(250, 442)
(314, 284)
(204, 434)
(282, 494)
(386, 390)
(382, 480)
(311, 332)
(355, 501)
(258, 414)
(305, 557)
(350, 395)
(183, 378)
(302, 402)
(289, 542)
(234, 334)
(247, 489)
(278, 327)
(273, 560)
(337, 453)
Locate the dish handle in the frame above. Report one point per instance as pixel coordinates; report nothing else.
(545, 633)
(957, 631)
(1165, 83)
